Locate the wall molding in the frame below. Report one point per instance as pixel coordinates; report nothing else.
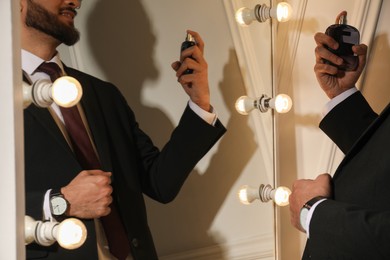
(253, 45)
(254, 247)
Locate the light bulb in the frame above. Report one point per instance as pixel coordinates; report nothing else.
(264, 193)
(245, 16)
(66, 91)
(283, 12)
(248, 194)
(282, 103)
(245, 104)
(71, 233)
(280, 196)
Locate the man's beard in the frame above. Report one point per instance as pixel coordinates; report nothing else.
(39, 18)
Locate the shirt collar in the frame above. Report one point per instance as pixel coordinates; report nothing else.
(31, 62)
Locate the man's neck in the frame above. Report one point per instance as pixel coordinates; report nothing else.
(38, 43)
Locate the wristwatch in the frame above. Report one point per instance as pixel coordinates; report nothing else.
(58, 203)
(305, 210)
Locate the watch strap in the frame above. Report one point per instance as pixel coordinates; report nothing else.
(56, 192)
(305, 214)
(313, 201)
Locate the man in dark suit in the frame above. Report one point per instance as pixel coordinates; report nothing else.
(129, 165)
(347, 216)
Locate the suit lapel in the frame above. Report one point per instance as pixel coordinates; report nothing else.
(43, 116)
(363, 139)
(96, 123)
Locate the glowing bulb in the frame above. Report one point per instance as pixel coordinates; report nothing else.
(245, 104)
(264, 193)
(66, 91)
(245, 16)
(282, 103)
(280, 196)
(283, 12)
(247, 194)
(71, 233)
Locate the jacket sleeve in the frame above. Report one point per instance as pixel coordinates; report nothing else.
(161, 173)
(165, 171)
(340, 229)
(347, 121)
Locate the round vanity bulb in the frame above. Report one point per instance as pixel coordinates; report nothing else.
(247, 194)
(282, 103)
(244, 105)
(283, 12)
(71, 233)
(66, 91)
(280, 196)
(245, 16)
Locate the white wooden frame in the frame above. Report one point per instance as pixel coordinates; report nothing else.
(11, 135)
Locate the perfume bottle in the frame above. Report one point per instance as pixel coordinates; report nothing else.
(347, 36)
(189, 41)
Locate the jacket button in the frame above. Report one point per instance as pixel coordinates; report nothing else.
(135, 242)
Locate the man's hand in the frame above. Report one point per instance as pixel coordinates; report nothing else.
(89, 194)
(196, 84)
(334, 81)
(305, 190)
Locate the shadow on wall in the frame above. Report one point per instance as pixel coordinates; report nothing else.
(188, 219)
(375, 85)
(125, 37)
(123, 46)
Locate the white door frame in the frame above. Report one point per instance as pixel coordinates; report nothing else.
(11, 135)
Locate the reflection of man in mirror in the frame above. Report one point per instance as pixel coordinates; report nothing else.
(347, 216)
(93, 155)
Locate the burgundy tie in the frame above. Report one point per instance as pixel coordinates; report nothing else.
(88, 159)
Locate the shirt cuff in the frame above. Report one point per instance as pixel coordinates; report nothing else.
(46, 207)
(338, 99)
(310, 214)
(209, 117)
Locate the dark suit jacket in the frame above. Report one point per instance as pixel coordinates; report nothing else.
(137, 166)
(355, 224)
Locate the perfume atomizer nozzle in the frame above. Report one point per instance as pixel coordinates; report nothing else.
(189, 38)
(343, 19)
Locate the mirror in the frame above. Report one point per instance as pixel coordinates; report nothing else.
(303, 150)
(206, 219)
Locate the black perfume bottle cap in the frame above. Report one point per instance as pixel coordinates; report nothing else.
(347, 36)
